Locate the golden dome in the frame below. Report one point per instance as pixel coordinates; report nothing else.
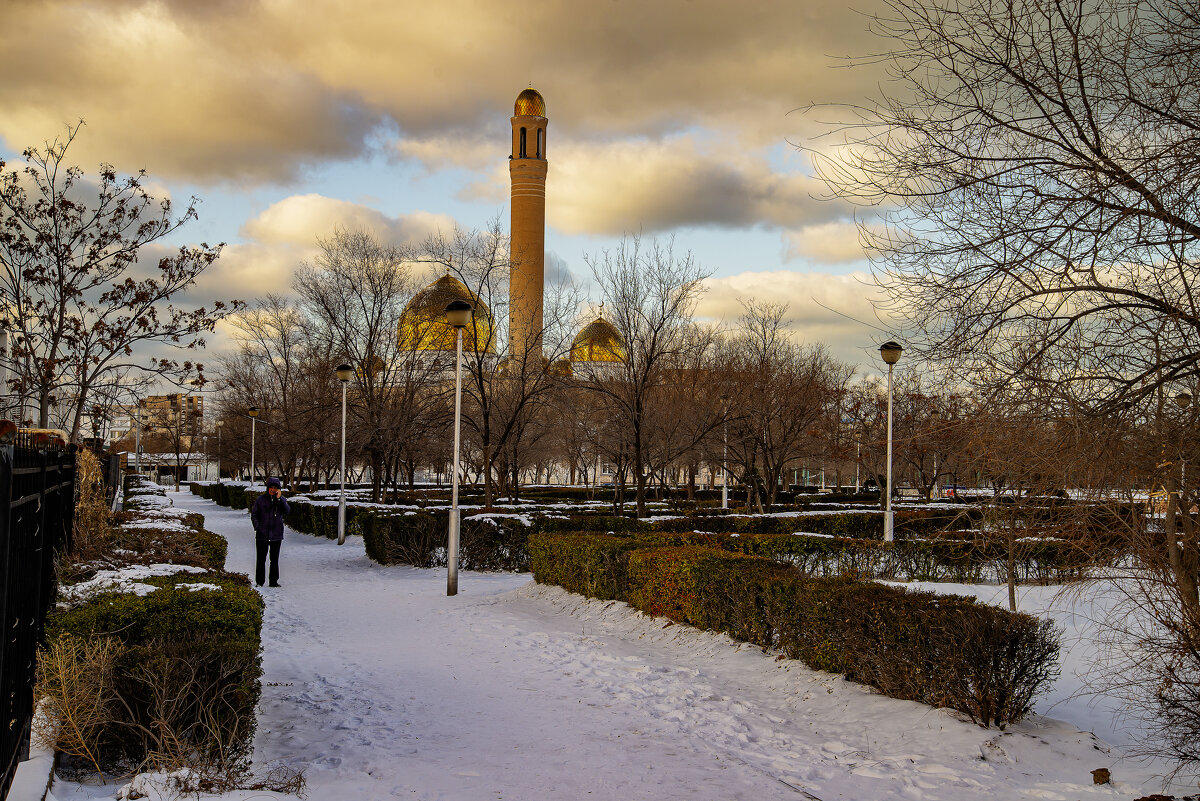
(423, 325)
(599, 341)
(529, 104)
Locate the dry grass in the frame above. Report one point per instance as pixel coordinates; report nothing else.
(76, 677)
(92, 533)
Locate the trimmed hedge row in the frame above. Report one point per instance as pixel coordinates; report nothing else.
(847, 543)
(189, 664)
(865, 525)
(946, 651)
(486, 541)
(191, 545)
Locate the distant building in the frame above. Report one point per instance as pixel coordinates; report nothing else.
(161, 419)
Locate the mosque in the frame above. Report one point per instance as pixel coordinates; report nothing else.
(423, 328)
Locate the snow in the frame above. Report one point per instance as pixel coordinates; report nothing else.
(157, 524)
(380, 686)
(199, 585)
(144, 501)
(123, 579)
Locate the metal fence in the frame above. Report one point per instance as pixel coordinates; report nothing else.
(37, 509)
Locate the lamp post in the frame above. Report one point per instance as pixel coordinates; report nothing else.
(344, 373)
(137, 448)
(857, 460)
(458, 314)
(220, 423)
(253, 412)
(890, 351)
(724, 451)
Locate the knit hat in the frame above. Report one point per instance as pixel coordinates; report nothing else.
(274, 482)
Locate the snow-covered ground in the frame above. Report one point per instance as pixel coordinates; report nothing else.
(381, 687)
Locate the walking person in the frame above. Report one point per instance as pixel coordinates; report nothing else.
(267, 516)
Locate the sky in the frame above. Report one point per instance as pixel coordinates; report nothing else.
(667, 118)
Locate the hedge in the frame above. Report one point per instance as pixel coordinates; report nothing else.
(198, 648)
(931, 546)
(190, 545)
(486, 541)
(189, 663)
(946, 651)
(850, 524)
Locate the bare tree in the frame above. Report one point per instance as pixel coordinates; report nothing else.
(354, 293)
(785, 394)
(1038, 164)
(1039, 157)
(650, 295)
(505, 385)
(278, 367)
(77, 300)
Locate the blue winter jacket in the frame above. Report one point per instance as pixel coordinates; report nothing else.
(267, 515)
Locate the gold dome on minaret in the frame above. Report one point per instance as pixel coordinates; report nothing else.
(530, 103)
(423, 325)
(598, 341)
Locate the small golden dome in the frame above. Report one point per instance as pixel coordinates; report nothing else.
(599, 341)
(529, 104)
(423, 325)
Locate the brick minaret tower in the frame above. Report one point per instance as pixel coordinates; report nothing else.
(527, 171)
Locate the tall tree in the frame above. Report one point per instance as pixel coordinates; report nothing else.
(354, 293)
(77, 298)
(650, 296)
(506, 385)
(1038, 166)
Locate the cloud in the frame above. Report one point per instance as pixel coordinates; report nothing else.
(834, 310)
(558, 272)
(252, 92)
(301, 219)
(653, 186)
(826, 243)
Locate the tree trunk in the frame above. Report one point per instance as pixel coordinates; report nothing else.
(487, 477)
(639, 476)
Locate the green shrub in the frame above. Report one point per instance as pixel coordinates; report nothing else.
(595, 565)
(497, 541)
(189, 669)
(235, 612)
(147, 543)
(945, 651)
(854, 524)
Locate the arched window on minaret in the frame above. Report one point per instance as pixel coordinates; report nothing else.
(541, 139)
(521, 154)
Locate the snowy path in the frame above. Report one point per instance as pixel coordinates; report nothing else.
(381, 687)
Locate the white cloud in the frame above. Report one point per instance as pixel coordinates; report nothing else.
(302, 219)
(649, 186)
(249, 92)
(826, 243)
(835, 310)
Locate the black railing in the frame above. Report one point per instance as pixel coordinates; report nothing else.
(37, 509)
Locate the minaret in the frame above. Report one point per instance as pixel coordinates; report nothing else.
(527, 172)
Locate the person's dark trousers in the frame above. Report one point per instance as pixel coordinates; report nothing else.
(260, 570)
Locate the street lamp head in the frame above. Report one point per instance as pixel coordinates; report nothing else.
(252, 411)
(220, 423)
(458, 313)
(344, 373)
(1184, 399)
(890, 351)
